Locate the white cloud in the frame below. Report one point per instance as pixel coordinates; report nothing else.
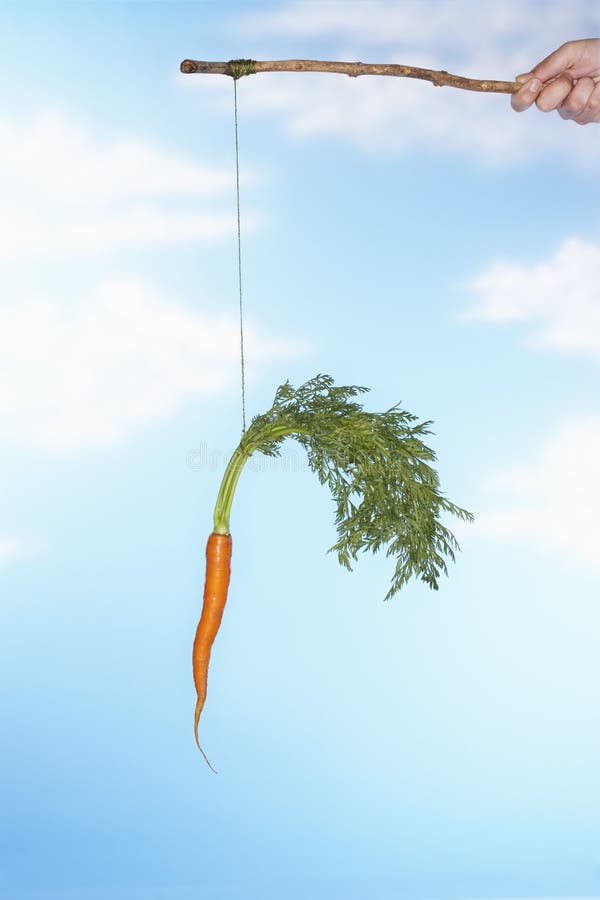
(552, 502)
(558, 298)
(392, 115)
(384, 22)
(29, 234)
(386, 116)
(65, 194)
(93, 371)
(10, 548)
(61, 161)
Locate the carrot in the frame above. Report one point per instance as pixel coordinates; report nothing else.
(216, 584)
(377, 468)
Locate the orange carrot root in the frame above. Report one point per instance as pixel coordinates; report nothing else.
(216, 585)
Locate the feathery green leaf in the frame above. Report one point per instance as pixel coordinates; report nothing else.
(378, 471)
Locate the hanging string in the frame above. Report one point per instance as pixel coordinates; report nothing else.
(239, 234)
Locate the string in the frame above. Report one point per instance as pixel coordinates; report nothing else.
(239, 234)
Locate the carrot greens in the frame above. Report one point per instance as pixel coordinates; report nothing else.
(378, 471)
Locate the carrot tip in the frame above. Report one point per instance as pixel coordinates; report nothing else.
(206, 759)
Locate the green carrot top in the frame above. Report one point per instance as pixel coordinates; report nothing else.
(376, 466)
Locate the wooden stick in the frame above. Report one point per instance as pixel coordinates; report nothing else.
(236, 68)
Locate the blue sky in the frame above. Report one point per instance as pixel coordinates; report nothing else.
(430, 244)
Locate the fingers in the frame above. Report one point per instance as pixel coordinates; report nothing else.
(583, 103)
(546, 96)
(554, 93)
(579, 100)
(567, 80)
(523, 99)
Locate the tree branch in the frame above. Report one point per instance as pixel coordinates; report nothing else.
(236, 68)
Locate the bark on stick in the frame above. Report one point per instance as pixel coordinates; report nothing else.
(237, 68)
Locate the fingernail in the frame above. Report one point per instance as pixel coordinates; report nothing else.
(534, 85)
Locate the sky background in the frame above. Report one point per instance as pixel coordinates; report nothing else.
(428, 243)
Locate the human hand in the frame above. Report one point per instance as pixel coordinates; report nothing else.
(567, 80)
